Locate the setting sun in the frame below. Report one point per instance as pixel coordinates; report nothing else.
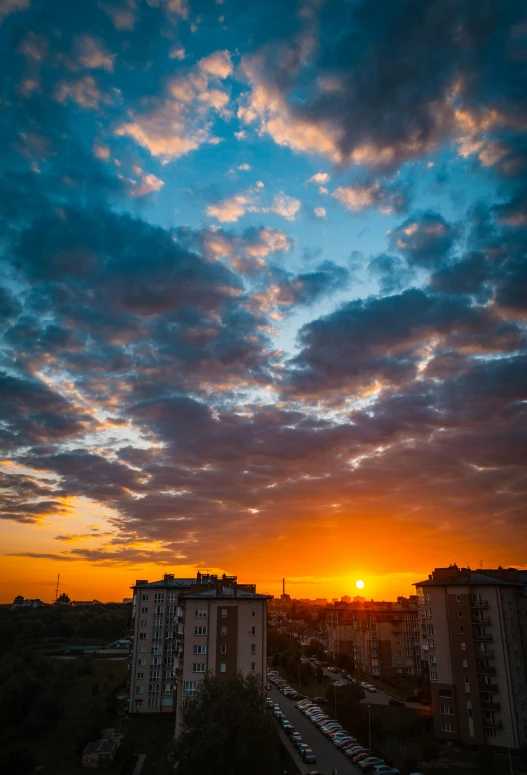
(359, 584)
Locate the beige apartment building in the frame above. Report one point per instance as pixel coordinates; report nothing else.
(186, 628)
(474, 646)
(383, 638)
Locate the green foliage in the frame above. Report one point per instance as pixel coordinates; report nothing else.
(227, 730)
(315, 649)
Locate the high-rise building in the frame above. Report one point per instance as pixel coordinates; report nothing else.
(382, 638)
(186, 628)
(474, 645)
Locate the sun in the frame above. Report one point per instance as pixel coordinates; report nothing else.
(359, 584)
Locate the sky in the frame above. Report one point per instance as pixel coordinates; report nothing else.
(263, 292)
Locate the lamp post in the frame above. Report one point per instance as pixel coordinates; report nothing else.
(335, 690)
(510, 757)
(299, 666)
(369, 726)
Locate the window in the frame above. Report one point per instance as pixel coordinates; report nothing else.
(200, 649)
(460, 614)
(139, 703)
(198, 667)
(448, 728)
(189, 688)
(200, 630)
(224, 631)
(397, 642)
(159, 597)
(431, 644)
(224, 612)
(153, 690)
(139, 689)
(154, 675)
(463, 647)
(172, 596)
(461, 630)
(158, 610)
(253, 648)
(432, 660)
(155, 662)
(467, 679)
(144, 597)
(253, 667)
(140, 676)
(429, 629)
(156, 648)
(200, 613)
(223, 667)
(142, 636)
(144, 610)
(445, 693)
(446, 710)
(223, 649)
(253, 630)
(168, 688)
(253, 614)
(428, 613)
(397, 653)
(142, 649)
(144, 623)
(153, 702)
(433, 675)
(490, 733)
(141, 662)
(428, 598)
(399, 670)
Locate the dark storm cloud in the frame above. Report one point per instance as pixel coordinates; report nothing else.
(382, 339)
(425, 239)
(33, 413)
(392, 272)
(388, 81)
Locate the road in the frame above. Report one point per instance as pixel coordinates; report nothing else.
(374, 698)
(327, 755)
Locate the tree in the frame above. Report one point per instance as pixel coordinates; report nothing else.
(227, 730)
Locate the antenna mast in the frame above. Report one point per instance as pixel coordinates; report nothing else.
(57, 587)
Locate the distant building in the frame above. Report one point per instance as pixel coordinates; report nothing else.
(128, 600)
(382, 637)
(62, 599)
(21, 602)
(345, 599)
(186, 628)
(84, 603)
(474, 645)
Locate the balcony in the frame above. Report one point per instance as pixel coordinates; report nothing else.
(486, 636)
(490, 706)
(490, 688)
(496, 724)
(489, 654)
(486, 670)
(484, 620)
(479, 603)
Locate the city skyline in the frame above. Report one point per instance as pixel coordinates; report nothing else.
(262, 293)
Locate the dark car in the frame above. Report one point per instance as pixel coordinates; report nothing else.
(394, 701)
(318, 700)
(309, 756)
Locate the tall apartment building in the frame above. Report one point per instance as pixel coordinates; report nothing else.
(474, 644)
(383, 638)
(186, 628)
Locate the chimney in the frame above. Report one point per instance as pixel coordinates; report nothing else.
(283, 586)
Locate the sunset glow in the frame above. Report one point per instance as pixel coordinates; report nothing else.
(263, 293)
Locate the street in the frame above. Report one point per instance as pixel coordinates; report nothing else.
(327, 755)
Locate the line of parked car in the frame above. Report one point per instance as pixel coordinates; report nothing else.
(329, 727)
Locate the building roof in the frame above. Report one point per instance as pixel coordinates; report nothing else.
(226, 592)
(455, 577)
(100, 746)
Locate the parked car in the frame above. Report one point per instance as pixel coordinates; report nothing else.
(339, 683)
(295, 736)
(384, 769)
(371, 689)
(367, 765)
(309, 756)
(270, 703)
(319, 700)
(302, 746)
(361, 756)
(394, 701)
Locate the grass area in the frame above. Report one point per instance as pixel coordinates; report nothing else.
(88, 708)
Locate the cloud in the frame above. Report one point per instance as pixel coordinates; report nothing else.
(425, 239)
(230, 209)
(147, 185)
(181, 122)
(8, 7)
(91, 53)
(319, 178)
(244, 167)
(286, 206)
(123, 13)
(388, 199)
(320, 212)
(84, 92)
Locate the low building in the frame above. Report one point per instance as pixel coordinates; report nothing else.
(21, 602)
(474, 646)
(99, 753)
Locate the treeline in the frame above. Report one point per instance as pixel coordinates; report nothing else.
(38, 626)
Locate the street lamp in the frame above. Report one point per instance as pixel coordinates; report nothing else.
(510, 757)
(369, 726)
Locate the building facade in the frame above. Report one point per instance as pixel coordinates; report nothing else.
(186, 628)
(383, 638)
(474, 644)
